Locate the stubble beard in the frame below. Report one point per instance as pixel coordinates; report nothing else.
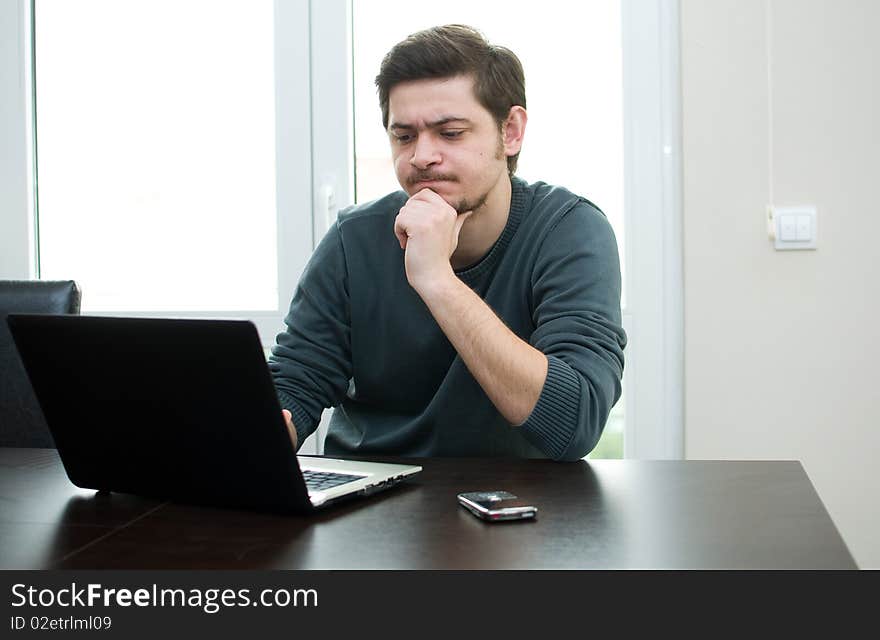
(464, 205)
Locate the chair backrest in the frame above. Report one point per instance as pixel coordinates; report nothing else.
(21, 419)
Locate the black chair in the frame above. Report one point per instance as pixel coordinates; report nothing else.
(21, 419)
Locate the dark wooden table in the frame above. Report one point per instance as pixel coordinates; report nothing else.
(601, 514)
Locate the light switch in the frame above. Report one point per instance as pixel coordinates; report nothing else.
(804, 228)
(793, 228)
(788, 227)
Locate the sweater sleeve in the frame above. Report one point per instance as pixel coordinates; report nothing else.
(576, 287)
(311, 360)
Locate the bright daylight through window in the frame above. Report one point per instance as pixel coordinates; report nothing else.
(156, 153)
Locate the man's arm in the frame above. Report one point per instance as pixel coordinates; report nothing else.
(311, 360)
(509, 370)
(575, 292)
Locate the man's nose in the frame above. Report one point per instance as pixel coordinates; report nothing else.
(425, 153)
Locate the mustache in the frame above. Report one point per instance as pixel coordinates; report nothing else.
(424, 176)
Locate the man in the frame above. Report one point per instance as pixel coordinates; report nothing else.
(471, 313)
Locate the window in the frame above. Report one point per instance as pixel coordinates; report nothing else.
(574, 135)
(156, 154)
(575, 132)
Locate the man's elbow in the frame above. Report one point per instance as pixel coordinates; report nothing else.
(588, 431)
(578, 449)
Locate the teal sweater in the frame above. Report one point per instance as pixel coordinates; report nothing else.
(360, 339)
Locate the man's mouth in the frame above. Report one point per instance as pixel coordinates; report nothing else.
(429, 179)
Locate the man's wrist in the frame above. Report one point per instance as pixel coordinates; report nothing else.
(436, 286)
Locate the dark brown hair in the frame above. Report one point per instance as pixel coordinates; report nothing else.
(452, 50)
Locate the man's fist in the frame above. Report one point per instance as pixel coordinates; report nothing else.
(427, 229)
(288, 420)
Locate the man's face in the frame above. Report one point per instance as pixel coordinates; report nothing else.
(443, 139)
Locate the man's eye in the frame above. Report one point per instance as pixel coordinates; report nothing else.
(404, 138)
(452, 134)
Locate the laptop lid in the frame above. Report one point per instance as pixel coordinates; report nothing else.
(175, 409)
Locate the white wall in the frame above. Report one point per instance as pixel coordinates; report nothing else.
(781, 347)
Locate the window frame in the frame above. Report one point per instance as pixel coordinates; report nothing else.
(654, 313)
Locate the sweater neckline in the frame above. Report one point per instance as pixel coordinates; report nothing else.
(469, 275)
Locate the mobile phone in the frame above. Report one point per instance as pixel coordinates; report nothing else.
(494, 506)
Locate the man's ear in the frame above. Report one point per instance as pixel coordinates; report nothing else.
(513, 130)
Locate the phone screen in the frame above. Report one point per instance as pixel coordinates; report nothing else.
(493, 500)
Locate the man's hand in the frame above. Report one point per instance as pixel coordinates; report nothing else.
(288, 420)
(427, 229)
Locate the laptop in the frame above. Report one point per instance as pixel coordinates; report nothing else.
(180, 410)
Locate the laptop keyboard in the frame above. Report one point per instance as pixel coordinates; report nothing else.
(320, 480)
